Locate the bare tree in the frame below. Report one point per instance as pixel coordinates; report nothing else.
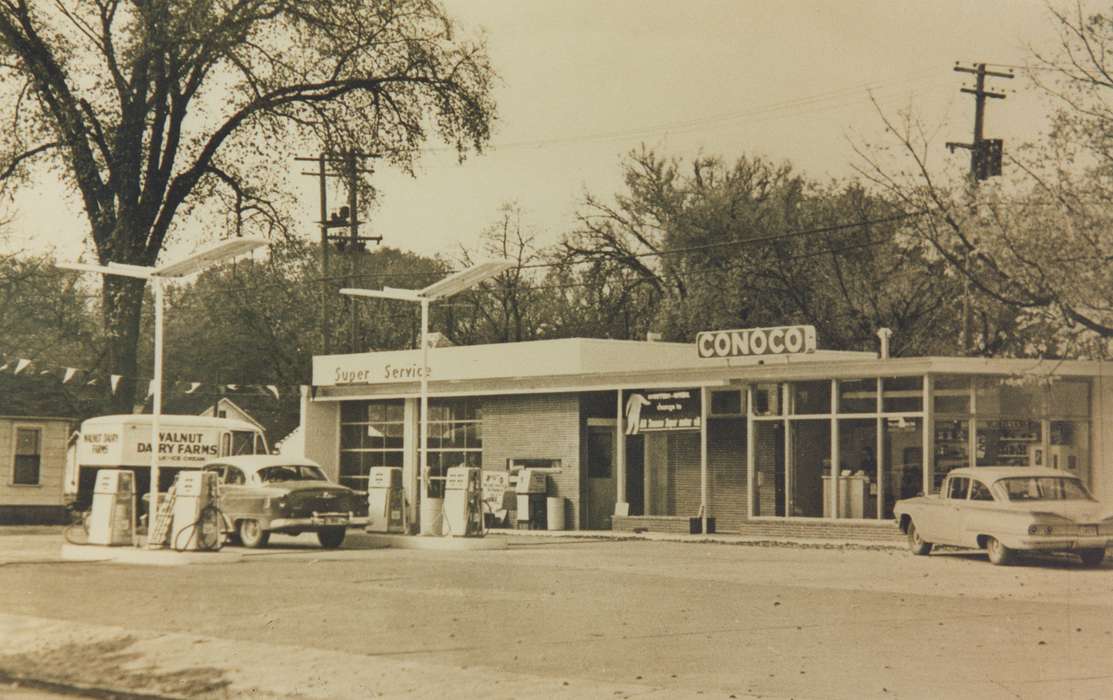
(147, 107)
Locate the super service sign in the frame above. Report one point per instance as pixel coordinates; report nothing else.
(782, 340)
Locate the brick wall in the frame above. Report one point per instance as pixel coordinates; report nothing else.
(537, 426)
(726, 464)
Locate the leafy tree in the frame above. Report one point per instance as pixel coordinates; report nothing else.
(754, 243)
(146, 108)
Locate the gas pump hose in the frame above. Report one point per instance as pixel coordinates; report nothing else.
(217, 514)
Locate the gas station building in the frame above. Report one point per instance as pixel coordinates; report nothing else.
(743, 429)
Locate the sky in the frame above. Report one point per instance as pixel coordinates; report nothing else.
(583, 82)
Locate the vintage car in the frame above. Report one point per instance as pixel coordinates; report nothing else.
(1004, 510)
(261, 494)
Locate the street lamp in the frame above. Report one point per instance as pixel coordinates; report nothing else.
(453, 284)
(225, 250)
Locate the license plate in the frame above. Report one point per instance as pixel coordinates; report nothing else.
(1088, 530)
(331, 519)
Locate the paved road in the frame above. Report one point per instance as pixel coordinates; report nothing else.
(561, 617)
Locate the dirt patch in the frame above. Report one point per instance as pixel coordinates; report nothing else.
(109, 665)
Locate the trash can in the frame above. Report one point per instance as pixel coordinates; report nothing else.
(554, 510)
(432, 513)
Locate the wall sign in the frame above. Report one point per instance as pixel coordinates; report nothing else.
(662, 409)
(782, 340)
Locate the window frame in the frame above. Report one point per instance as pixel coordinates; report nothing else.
(41, 430)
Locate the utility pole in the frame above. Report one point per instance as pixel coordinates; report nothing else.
(985, 162)
(347, 217)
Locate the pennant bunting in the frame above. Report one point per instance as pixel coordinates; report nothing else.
(115, 381)
(193, 386)
(273, 390)
(21, 365)
(70, 372)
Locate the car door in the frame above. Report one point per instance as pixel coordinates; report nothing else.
(954, 503)
(231, 485)
(977, 514)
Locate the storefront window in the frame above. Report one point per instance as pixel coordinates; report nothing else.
(856, 482)
(370, 436)
(1008, 443)
(810, 461)
(951, 394)
(767, 400)
(1069, 447)
(728, 403)
(902, 394)
(811, 398)
(769, 468)
(1069, 398)
(903, 473)
(858, 396)
(952, 448)
(997, 396)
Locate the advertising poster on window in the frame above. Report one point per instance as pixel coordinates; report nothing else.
(662, 409)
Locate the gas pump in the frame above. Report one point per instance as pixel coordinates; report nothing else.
(463, 502)
(196, 516)
(112, 520)
(385, 500)
(532, 489)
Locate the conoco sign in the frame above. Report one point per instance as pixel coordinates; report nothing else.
(783, 340)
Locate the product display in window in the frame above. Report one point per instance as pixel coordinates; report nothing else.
(1009, 443)
(952, 447)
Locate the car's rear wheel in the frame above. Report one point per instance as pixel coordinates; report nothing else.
(252, 534)
(916, 543)
(331, 537)
(1092, 557)
(999, 554)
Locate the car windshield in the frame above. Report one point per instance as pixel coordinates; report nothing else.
(1044, 488)
(291, 472)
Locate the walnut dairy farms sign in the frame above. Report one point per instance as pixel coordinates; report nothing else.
(782, 340)
(131, 445)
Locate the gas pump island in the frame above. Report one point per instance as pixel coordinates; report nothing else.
(188, 518)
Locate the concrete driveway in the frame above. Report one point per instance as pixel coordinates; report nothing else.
(564, 618)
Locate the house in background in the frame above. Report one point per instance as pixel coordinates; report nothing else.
(35, 425)
(227, 408)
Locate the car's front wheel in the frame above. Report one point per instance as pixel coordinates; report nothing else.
(999, 554)
(916, 543)
(331, 537)
(1092, 557)
(252, 534)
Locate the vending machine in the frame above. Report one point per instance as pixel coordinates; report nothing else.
(532, 491)
(112, 519)
(196, 523)
(463, 502)
(385, 501)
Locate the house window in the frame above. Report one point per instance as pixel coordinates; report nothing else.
(28, 456)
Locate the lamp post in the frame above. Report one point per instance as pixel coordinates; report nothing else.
(453, 284)
(225, 250)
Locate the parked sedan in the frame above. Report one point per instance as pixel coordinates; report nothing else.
(1004, 510)
(261, 494)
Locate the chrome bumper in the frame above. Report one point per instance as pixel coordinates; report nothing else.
(1064, 543)
(317, 520)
